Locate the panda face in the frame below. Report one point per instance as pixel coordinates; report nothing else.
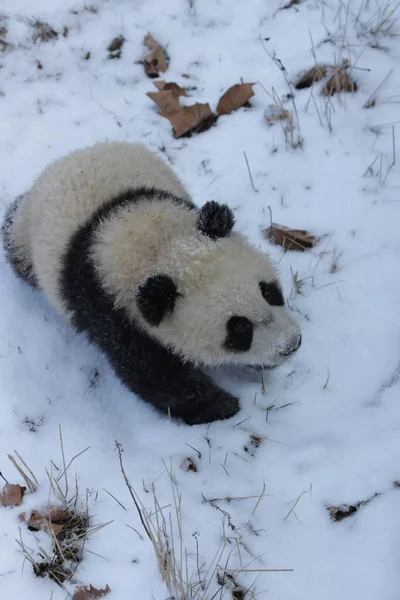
(222, 305)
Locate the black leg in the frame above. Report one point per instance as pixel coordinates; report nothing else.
(157, 375)
(145, 366)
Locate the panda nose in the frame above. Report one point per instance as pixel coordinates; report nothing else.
(292, 347)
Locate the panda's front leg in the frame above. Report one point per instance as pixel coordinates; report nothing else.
(160, 377)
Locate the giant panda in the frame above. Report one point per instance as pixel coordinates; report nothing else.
(113, 239)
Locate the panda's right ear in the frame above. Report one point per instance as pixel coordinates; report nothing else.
(156, 296)
(215, 220)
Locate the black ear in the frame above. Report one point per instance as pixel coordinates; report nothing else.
(215, 220)
(156, 296)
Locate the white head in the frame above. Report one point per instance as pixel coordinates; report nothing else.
(217, 299)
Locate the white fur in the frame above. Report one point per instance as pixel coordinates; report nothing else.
(217, 279)
(69, 190)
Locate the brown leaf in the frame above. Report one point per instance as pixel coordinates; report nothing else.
(116, 44)
(340, 81)
(191, 119)
(338, 513)
(290, 4)
(311, 76)
(290, 239)
(156, 60)
(237, 95)
(255, 439)
(176, 89)
(84, 592)
(166, 101)
(50, 519)
(189, 465)
(12, 495)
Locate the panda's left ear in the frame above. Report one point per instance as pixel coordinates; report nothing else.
(215, 220)
(155, 297)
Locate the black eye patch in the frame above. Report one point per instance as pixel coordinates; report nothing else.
(240, 334)
(272, 293)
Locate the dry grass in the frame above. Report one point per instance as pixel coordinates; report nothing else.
(166, 534)
(68, 525)
(42, 31)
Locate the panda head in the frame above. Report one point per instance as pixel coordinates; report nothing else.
(218, 299)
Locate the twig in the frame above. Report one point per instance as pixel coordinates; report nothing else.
(259, 499)
(131, 492)
(372, 99)
(29, 482)
(248, 168)
(295, 504)
(63, 459)
(116, 499)
(393, 154)
(327, 380)
(2, 476)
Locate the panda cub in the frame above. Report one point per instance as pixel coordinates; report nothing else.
(113, 239)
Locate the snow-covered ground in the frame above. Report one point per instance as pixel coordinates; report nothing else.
(329, 420)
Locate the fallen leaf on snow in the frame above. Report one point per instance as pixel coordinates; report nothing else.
(50, 519)
(115, 46)
(176, 89)
(12, 495)
(191, 119)
(189, 465)
(311, 76)
(339, 82)
(290, 4)
(338, 513)
(255, 439)
(237, 95)
(290, 239)
(156, 60)
(166, 101)
(84, 592)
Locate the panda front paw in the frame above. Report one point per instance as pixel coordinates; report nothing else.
(223, 406)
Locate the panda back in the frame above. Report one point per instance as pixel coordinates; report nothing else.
(71, 190)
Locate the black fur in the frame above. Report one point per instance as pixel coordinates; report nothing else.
(155, 297)
(19, 264)
(146, 367)
(272, 293)
(215, 220)
(240, 334)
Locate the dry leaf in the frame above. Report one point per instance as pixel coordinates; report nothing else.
(255, 439)
(156, 60)
(189, 465)
(176, 89)
(50, 519)
(191, 119)
(290, 4)
(340, 81)
(84, 592)
(237, 95)
(12, 495)
(166, 101)
(338, 513)
(290, 239)
(116, 44)
(311, 76)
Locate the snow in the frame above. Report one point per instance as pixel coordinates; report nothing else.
(333, 424)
